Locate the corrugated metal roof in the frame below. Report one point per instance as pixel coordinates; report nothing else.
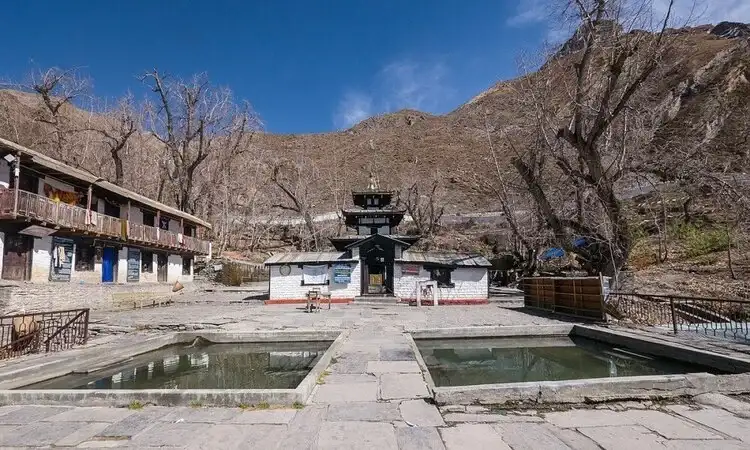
(446, 258)
(53, 164)
(306, 257)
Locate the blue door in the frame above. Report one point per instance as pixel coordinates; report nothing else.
(108, 264)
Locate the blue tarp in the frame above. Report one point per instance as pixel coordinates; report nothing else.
(556, 252)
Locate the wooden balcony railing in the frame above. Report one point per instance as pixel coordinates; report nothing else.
(43, 209)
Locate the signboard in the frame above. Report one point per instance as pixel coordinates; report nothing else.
(134, 265)
(62, 259)
(410, 269)
(342, 273)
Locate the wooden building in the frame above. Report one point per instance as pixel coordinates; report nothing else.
(376, 263)
(62, 224)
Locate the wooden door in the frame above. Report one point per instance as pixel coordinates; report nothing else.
(17, 257)
(161, 268)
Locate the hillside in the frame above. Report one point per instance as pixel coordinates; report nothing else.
(694, 112)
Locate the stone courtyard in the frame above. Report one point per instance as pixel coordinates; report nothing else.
(372, 396)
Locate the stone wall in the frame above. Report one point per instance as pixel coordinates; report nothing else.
(28, 297)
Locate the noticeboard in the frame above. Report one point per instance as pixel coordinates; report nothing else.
(342, 274)
(134, 265)
(410, 269)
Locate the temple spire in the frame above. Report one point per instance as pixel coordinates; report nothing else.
(374, 184)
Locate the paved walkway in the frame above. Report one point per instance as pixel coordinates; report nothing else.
(373, 397)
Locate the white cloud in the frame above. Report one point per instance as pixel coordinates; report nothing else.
(550, 14)
(398, 85)
(353, 108)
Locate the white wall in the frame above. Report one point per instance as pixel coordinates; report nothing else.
(41, 259)
(174, 269)
(121, 276)
(470, 283)
(290, 286)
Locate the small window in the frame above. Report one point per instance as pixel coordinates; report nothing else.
(442, 275)
(85, 255)
(187, 263)
(147, 262)
(148, 218)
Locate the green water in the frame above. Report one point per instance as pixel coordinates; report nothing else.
(280, 365)
(462, 362)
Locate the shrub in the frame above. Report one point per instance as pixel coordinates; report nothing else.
(231, 275)
(701, 241)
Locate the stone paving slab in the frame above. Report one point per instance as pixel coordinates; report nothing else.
(420, 414)
(82, 434)
(346, 392)
(134, 424)
(472, 436)
(529, 436)
(364, 411)
(402, 386)
(623, 437)
(669, 426)
(419, 438)
(224, 437)
(92, 414)
(589, 418)
(303, 430)
(717, 419)
(357, 435)
(39, 434)
(490, 418)
(402, 353)
(381, 367)
(736, 407)
(200, 415)
(31, 413)
(348, 378)
(270, 416)
(171, 434)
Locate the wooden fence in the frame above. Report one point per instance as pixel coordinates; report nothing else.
(576, 297)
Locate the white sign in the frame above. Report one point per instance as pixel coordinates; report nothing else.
(315, 274)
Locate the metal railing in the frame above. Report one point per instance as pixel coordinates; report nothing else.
(711, 316)
(42, 332)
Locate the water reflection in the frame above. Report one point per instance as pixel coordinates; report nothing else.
(460, 362)
(216, 366)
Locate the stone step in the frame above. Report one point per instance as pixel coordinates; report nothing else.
(377, 299)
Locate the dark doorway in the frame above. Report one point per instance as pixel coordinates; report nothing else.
(161, 267)
(377, 267)
(17, 257)
(111, 209)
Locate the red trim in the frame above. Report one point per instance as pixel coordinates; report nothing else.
(449, 302)
(295, 301)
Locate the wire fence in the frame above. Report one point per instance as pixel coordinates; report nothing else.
(43, 332)
(711, 316)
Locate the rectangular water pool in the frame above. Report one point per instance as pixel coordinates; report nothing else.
(476, 361)
(279, 365)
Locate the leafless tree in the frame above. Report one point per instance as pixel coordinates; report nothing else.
(588, 139)
(58, 89)
(193, 120)
(296, 181)
(116, 127)
(424, 203)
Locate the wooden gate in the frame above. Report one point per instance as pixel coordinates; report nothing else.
(17, 257)
(576, 297)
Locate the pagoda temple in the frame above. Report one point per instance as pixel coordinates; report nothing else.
(374, 262)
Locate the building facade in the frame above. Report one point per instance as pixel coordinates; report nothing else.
(375, 262)
(62, 224)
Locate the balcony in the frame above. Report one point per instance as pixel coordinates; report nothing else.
(47, 211)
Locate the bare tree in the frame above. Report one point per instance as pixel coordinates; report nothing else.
(58, 89)
(590, 149)
(297, 182)
(116, 129)
(193, 120)
(424, 204)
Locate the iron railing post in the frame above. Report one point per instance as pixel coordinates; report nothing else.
(674, 316)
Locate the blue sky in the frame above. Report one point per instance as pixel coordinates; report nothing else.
(306, 66)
